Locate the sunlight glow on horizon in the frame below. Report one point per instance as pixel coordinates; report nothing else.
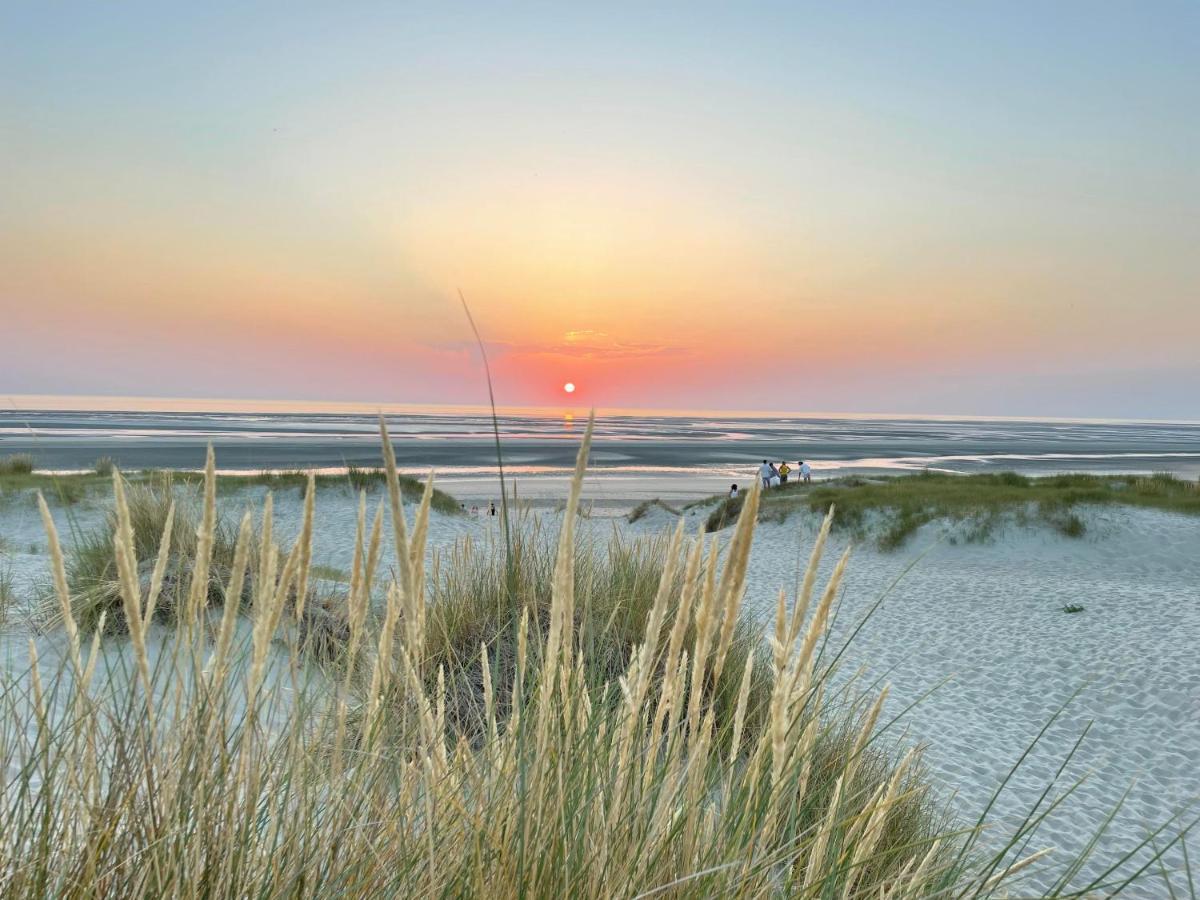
(797, 208)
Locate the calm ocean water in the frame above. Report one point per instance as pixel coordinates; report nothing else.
(632, 456)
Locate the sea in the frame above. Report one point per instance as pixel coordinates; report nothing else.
(634, 455)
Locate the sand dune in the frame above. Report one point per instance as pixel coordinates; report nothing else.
(985, 618)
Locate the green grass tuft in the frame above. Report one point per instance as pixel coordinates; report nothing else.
(616, 584)
(8, 594)
(643, 509)
(726, 513)
(69, 489)
(892, 509)
(91, 567)
(16, 464)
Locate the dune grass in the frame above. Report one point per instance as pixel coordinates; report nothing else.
(474, 605)
(16, 464)
(644, 508)
(356, 478)
(891, 509)
(160, 517)
(629, 739)
(72, 487)
(8, 595)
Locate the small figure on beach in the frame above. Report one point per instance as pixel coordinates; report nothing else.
(764, 473)
(774, 479)
(805, 471)
(475, 509)
(784, 471)
(733, 492)
(492, 508)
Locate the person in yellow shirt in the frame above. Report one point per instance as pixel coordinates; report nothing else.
(784, 469)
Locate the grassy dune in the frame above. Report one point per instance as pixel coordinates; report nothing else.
(594, 720)
(16, 464)
(71, 488)
(892, 508)
(646, 507)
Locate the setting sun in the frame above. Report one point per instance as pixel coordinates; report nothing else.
(569, 387)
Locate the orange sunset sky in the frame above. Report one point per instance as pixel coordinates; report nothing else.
(967, 209)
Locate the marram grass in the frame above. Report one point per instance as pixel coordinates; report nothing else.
(890, 509)
(216, 759)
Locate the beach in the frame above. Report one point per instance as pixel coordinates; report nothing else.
(635, 456)
(973, 636)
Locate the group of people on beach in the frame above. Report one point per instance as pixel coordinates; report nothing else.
(489, 510)
(773, 476)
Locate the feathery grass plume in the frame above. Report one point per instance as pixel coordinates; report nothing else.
(198, 587)
(123, 550)
(641, 667)
(816, 871)
(635, 683)
(489, 697)
(266, 618)
(381, 672)
(810, 576)
(356, 601)
(373, 549)
(304, 542)
(683, 616)
(58, 569)
(429, 715)
(8, 595)
(739, 716)
(233, 595)
(733, 582)
(268, 623)
(39, 700)
(487, 371)
(706, 622)
(559, 654)
(413, 606)
(160, 565)
(421, 533)
(264, 580)
(518, 685)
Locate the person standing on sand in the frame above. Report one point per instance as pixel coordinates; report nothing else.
(764, 473)
(774, 480)
(784, 470)
(805, 471)
(492, 508)
(733, 492)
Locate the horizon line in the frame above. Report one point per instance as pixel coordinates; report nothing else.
(232, 406)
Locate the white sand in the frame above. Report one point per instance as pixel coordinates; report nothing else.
(986, 616)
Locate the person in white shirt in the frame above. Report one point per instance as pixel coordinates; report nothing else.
(733, 492)
(764, 473)
(805, 472)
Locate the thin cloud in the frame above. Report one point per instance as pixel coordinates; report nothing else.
(582, 344)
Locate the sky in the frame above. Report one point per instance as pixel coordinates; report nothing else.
(947, 208)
